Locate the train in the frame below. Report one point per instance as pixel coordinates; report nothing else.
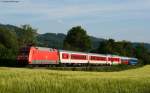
(32, 55)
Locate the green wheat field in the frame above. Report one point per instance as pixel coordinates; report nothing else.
(25, 80)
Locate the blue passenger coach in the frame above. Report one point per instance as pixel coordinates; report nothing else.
(133, 61)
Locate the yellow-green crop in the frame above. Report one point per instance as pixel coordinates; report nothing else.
(24, 80)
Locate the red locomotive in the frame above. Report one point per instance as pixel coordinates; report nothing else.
(38, 55)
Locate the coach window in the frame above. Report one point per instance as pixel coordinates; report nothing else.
(65, 56)
(81, 57)
(92, 58)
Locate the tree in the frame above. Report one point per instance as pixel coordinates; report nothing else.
(124, 48)
(27, 35)
(77, 40)
(143, 54)
(8, 39)
(8, 45)
(106, 47)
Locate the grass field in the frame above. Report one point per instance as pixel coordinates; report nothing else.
(24, 80)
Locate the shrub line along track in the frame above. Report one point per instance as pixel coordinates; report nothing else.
(85, 68)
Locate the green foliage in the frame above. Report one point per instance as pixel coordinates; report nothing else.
(8, 46)
(27, 35)
(123, 48)
(77, 40)
(143, 54)
(106, 47)
(8, 43)
(51, 40)
(8, 39)
(7, 53)
(21, 80)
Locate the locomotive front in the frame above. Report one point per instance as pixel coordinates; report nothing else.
(23, 55)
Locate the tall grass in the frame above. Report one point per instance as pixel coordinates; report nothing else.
(22, 80)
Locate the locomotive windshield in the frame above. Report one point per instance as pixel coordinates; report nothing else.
(24, 51)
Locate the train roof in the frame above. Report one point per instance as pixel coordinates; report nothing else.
(97, 54)
(45, 49)
(123, 57)
(72, 51)
(134, 58)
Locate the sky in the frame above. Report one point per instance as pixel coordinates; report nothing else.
(118, 19)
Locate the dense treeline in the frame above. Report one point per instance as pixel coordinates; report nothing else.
(77, 39)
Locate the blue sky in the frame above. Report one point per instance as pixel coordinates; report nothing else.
(118, 19)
